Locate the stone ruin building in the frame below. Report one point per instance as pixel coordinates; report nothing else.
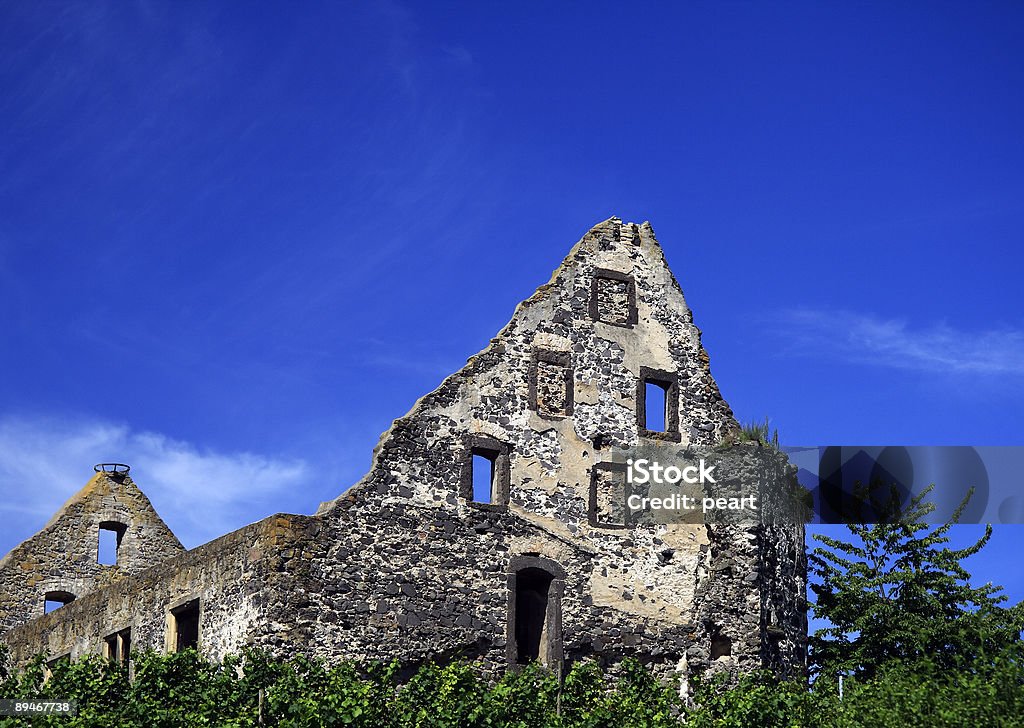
(414, 563)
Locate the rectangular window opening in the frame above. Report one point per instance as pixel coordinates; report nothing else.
(551, 384)
(118, 646)
(613, 298)
(485, 472)
(110, 535)
(721, 646)
(56, 599)
(186, 626)
(483, 476)
(656, 406)
(108, 547)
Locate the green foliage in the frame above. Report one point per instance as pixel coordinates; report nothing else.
(183, 690)
(756, 700)
(253, 690)
(918, 645)
(896, 592)
(899, 695)
(922, 694)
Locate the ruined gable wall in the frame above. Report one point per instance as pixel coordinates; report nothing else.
(64, 555)
(435, 572)
(403, 566)
(421, 459)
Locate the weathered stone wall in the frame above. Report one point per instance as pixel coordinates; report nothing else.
(63, 557)
(627, 591)
(228, 575)
(405, 565)
(751, 595)
(411, 584)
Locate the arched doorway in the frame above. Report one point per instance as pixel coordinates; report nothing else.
(534, 611)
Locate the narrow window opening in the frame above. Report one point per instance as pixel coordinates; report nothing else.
(186, 626)
(56, 599)
(485, 472)
(110, 535)
(118, 646)
(483, 475)
(656, 406)
(531, 627)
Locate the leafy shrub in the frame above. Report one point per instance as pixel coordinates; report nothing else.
(183, 690)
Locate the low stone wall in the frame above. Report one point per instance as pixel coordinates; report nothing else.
(228, 575)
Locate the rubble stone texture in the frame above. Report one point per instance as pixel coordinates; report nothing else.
(63, 557)
(404, 565)
(612, 301)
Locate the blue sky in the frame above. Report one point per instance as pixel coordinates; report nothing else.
(236, 242)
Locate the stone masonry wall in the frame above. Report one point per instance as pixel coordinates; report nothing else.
(63, 557)
(405, 565)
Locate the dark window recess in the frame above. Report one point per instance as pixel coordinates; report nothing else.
(485, 472)
(613, 298)
(118, 646)
(110, 535)
(535, 587)
(721, 646)
(56, 600)
(657, 406)
(186, 626)
(608, 495)
(532, 629)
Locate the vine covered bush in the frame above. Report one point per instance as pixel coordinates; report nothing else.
(183, 690)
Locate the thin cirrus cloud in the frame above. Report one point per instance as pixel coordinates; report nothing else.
(867, 339)
(43, 461)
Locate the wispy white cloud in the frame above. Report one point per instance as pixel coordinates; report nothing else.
(894, 343)
(201, 494)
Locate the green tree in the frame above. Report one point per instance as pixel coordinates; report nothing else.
(898, 592)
